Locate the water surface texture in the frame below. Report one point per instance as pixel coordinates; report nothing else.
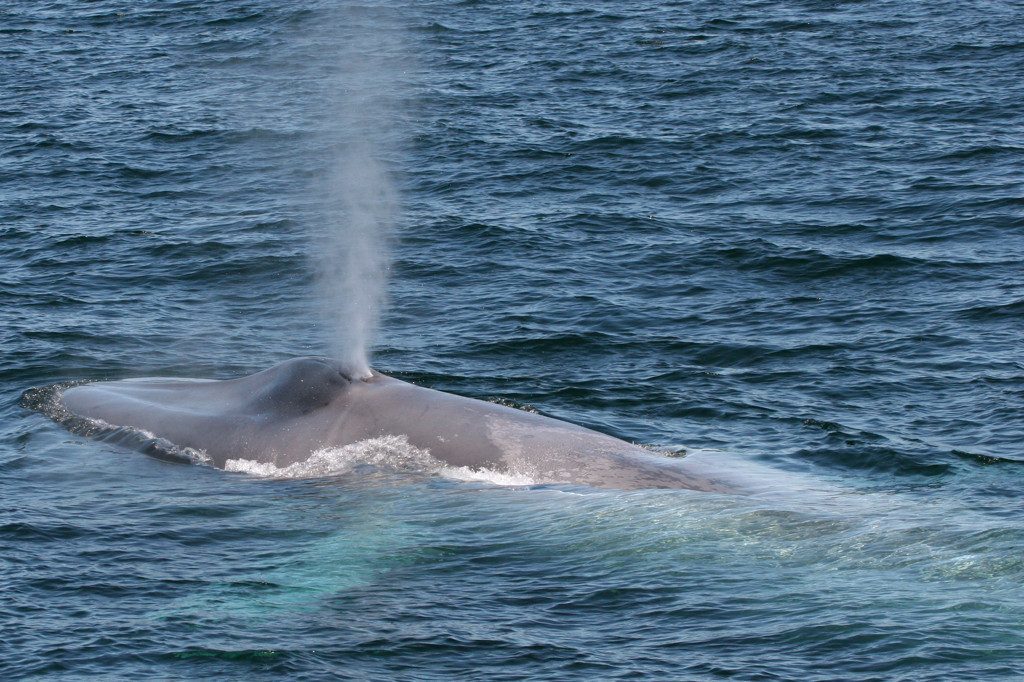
(785, 237)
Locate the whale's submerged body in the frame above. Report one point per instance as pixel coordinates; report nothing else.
(282, 415)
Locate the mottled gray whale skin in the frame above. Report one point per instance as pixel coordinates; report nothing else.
(283, 414)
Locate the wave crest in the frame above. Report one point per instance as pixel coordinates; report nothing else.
(390, 453)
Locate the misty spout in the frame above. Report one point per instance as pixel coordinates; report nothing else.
(356, 252)
(356, 192)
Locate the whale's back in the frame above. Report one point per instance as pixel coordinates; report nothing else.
(284, 414)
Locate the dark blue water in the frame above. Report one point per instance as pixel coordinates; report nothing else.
(784, 236)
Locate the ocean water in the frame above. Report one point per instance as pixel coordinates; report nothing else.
(785, 238)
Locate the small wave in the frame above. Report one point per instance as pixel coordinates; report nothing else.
(985, 459)
(391, 453)
(241, 18)
(994, 311)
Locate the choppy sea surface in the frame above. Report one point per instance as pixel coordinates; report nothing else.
(783, 237)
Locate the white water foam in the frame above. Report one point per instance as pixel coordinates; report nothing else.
(392, 453)
(148, 442)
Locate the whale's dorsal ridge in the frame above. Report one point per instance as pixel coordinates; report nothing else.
(299, 386)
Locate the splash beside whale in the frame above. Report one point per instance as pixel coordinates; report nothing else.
(284, 414)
